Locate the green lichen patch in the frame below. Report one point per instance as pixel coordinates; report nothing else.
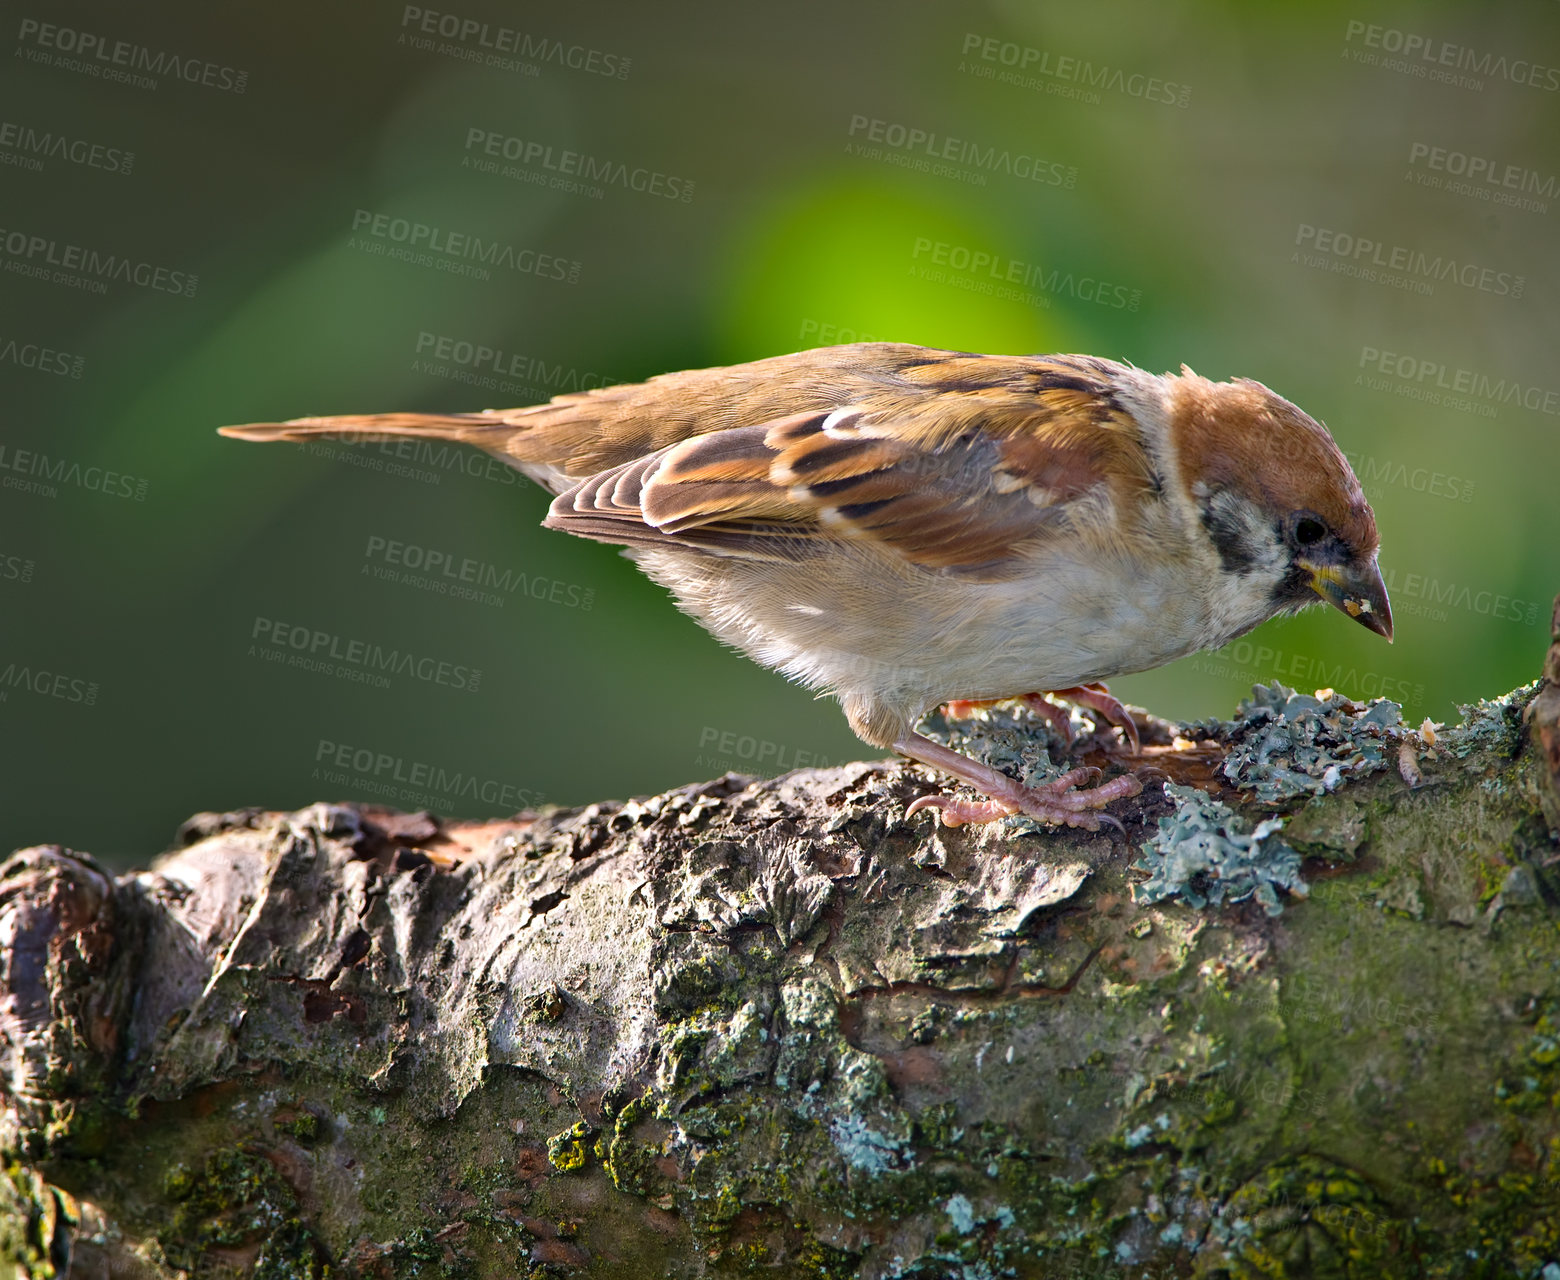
(713, 1050)
(234, 1204)
(1308, 1217)
(1334, 828)
(1206, 854)
(1506, 1188)
(692, 971)
(1491, 725)
(299, 1123)
(567, 1150)
(1285, 745)
(633, 1152)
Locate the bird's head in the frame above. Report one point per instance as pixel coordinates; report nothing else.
(1277, 498)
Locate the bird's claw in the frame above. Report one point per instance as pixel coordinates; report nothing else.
(1058, 802)
(956, 812)
(1108, 710)
(1059, 718)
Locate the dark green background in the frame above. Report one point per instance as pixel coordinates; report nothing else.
(1195, 209)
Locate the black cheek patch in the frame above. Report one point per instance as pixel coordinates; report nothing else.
(1229, 539)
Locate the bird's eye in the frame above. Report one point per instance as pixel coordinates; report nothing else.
(1309, 531)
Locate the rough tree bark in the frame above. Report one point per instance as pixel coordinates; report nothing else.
(773, 1028)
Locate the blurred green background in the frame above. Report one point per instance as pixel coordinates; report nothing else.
(1354, 204)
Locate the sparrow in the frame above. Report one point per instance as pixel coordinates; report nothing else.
(902, 527)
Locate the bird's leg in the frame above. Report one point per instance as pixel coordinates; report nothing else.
(1053, 715)
(1098, 698)
(1056, 801)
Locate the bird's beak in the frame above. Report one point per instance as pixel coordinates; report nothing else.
(1356, 589)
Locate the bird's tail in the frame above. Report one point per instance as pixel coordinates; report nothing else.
(481, 429)
(582, 433)
(504, 435)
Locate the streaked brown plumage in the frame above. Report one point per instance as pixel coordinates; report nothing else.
(903, 527)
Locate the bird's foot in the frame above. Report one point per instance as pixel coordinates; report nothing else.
(1099, 699)
(1058, 801)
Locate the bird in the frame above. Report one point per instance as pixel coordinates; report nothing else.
(903, 527)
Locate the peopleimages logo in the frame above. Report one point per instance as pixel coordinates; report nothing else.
(1423, 594)
(41, 359)
(1483, 171)
(91, 269)
(820, 333)
(1429, 58)
(563, 169)
(986, 272)
(487, 43)
(347, 657)
(443, 356)
(1008, 62)
(721, 748)
(464, 578)
(1400, 266)
(27, 147)
(914, 147)
(457, 251)
(96, 55)
(47, 684)
(1242, 658)
(382, 773)
(20, 463)
(16, 568)
(1437, 382)
(1373, 471)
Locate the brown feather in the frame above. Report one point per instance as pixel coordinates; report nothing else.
(976, 502)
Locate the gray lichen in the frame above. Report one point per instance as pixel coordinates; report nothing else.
(1491, 724)
(1285, 745)
(1206, 853)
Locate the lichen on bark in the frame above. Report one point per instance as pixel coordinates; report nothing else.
(774, 1028)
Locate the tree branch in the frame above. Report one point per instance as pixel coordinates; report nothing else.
(775, 1028)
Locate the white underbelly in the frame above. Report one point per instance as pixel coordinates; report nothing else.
(912, 639)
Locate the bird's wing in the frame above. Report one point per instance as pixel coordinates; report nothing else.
(951, 460)
(577, 435)
(961, 478)
(580, 433)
